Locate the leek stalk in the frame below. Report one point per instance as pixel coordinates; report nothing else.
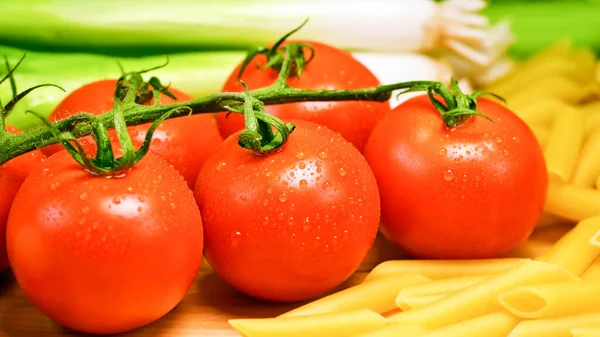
(129, 27)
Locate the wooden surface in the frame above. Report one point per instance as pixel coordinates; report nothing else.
(203, 312)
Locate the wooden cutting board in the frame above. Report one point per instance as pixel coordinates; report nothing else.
(203, 312)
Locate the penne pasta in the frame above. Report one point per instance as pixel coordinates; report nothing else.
(437, 269)
(592, 121)
(322, 325)
(540, 113)
(554, 86)
(481, 298)
(379, 296)
(438, 286)
(576, 250)
(592, 273)
(588, 166)
(531, 249)
(541, 133)
(497, 324)
(564, 144)
(598, 183)
(394, 330)
(548, 220)
(415, 302)
(571, 201)
(586, 332)
(558, 327)
(551, 300)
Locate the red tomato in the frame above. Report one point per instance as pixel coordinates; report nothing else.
(330, 69)
(184, 142)
(12, 175)
(290, 225)
(104, 255)
(473, 191)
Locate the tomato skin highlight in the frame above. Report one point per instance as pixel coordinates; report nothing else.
(474, 191)
(12, 175)
(104, 255)
(185, 142)
(331, 68)
(290, 225)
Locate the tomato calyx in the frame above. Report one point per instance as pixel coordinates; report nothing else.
(145, 91)
(277, 53)
(457, 107)
(258, 135)
(105, 163)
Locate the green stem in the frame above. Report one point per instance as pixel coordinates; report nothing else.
(16, 145)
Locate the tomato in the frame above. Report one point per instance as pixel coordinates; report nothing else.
(290, 225)
(12, 175)
(472, 191)
(104, 255)
(184, 142)
(330, 69)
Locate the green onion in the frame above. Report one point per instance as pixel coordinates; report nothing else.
(195, 73)
(129, 27)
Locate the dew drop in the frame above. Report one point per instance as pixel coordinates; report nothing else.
(83, 196)
(292, 174)
(277, 178)
(140, 209)
(300, 155)
(505, 152)
(443, 151)
(322, 155)
(173, 206)
(235, 239)
(326, 185)
(449, 175)
(302, 166)
(85, 210)
(265, 202)
(220, 166)
(318, 163)
(269, 174)
(242, 198)
(284, 183)
(464, 178)
(116, 200)
(342, 172)
(282, 197)
(498, 140)
(269, 190)
(319, 170)
(303, 183)
(292, 207)
(485, 135)
(292, 166)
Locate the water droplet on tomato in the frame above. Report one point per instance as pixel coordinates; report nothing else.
(485, 135)
(284, 183)
(300, 155)
(116, 200)
(515, 139)
(319, 170)
(464, 178)
(318, 163)
(302, 166)
(269, 190)
(443, 151)
(306, 224)
(173, 205)
(498, 140)
(322, 155)
(341, 171)
(292, 166)
(292, 174)
(326, 185)
(220, 166)
(505, 152)
(140, 209)
(303, 183)
(83, 196)
(242, 198)
(265, 202)
(85, 210)
(236, 238)
(269, 174)
(449, 175)
(292, 207)
(282, 197)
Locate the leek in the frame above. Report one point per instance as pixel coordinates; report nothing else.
(538, 24)
(198, 74)
(129, 27)
(195, 73)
